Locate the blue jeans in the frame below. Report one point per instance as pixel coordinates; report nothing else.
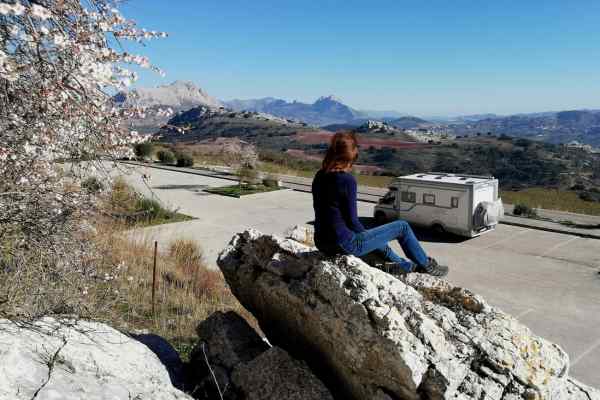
(377, 239)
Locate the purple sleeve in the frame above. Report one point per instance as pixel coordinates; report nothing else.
(354, 223)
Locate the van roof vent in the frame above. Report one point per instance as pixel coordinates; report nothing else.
(422, 176)
(463, 178)
(438, 177)
(470, 181)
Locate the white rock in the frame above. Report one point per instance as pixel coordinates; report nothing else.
(373, 336)
(88, 360)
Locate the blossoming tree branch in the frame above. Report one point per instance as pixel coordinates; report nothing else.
(60, 61)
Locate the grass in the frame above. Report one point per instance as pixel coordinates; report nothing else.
(237, 191)
(187, 291)
(552, 199)
(125, 203)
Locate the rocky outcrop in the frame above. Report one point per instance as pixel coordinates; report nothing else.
(369, 335)
(233, 361)
(78, 360)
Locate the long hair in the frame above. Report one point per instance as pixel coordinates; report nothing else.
(342, 152)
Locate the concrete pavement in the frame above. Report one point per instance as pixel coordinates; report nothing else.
(548, 220)
(548, 280)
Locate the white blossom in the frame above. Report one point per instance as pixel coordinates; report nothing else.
(58, 66)
(40, 12)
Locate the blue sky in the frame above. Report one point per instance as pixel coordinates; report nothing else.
(420, 57)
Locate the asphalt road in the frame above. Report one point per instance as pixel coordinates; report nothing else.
(549, 281)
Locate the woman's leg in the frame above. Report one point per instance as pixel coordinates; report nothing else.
(378, 238)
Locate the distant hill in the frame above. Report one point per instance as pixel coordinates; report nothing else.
(553, 127)
(201, 123)
(408, 122)
(325, 111)
(341, 127)
(178, 96)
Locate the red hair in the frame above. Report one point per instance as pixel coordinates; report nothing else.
(342, 152)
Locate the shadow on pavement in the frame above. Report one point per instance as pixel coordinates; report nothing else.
(423, 234)
(192, 188)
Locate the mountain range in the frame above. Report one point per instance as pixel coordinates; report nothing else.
(325, 110)
(331, 113)
(554, 127)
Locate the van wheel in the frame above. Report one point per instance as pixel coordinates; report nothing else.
(439, 229)
(380, 218)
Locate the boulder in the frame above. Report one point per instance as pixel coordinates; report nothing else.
(369, 335)
(275, 375)
(73, 360)
(233, 361)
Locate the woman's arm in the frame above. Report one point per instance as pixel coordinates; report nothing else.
(351, 193)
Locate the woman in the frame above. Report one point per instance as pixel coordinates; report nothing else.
(337, 228)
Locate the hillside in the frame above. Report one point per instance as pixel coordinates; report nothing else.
(325, 111)
(178, 96)
(202, 123)
(558, 127)
(408, 122)
(517, 162)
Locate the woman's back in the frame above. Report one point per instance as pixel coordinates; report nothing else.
(334, 198)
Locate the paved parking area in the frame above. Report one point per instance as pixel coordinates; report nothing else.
(550, 281)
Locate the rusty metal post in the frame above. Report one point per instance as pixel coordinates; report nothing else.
(154, 276)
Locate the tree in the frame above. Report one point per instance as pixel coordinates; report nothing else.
(166, 156)
(59, 63)
(185, 160)
(143, 150)
(243, 158)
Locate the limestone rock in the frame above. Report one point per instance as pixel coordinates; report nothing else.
(226, 340)
(275, 375)
(167, 355)
(79, 360)
(369, 335)
(302, 234)
(245, 367)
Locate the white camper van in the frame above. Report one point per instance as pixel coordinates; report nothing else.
(466, 205)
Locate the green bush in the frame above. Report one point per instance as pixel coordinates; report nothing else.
(166, 156)
(524, 210)
(248, 175)
(92, 185)
(143, 150)
(589, 195)
(153, 210)
(270, 182)
(185, 160)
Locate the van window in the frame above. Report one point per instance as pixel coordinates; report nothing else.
(429, 199)
(409, 197)
(454, 202)
(389, 198)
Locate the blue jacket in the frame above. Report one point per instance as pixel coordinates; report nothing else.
(334, 201)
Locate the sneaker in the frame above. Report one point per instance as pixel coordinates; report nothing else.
(433, 268)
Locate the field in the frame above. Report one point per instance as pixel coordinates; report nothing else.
(315, 138)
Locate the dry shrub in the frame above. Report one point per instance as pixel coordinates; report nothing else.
(186, 290)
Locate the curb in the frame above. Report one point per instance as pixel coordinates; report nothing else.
(553, 230)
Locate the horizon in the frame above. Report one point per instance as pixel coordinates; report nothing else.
(437, 60)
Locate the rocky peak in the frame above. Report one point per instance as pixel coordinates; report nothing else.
(178, 95)
(330, 99)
